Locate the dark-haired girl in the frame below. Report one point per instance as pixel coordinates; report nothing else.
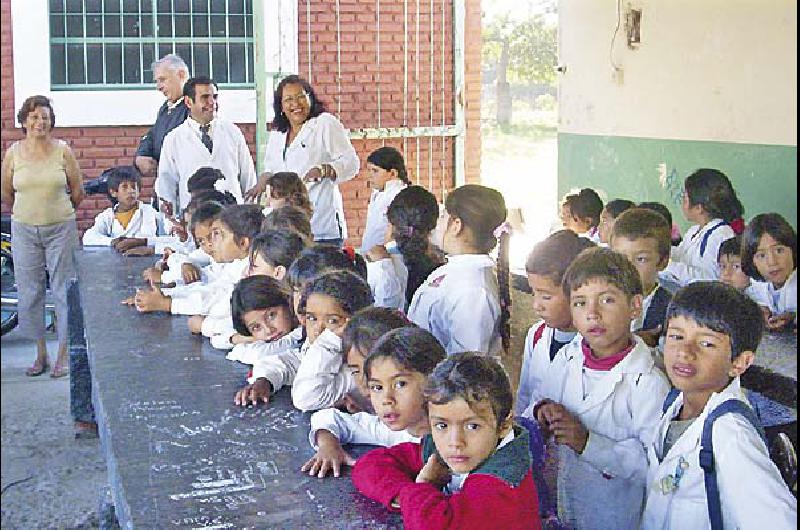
(710, 202)
(396, 270)
(386, 176)
(465, 303)
(286, 188)
(313, 143)
(769, 255)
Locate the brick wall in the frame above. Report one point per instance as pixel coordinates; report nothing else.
(351, 93)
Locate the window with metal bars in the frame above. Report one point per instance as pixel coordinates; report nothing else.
(108, 44)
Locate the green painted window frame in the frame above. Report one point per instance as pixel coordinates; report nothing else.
(150, 46)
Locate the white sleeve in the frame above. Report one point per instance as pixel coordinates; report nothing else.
(628, 458)
(359, 428)
(166, 184)
(322, 378)
(270, 161)
(100, 233)
(386, 287)
(336, 143)
(472, 320)
(247, 171)
(527, 376)
(740, 457)
(279, 370)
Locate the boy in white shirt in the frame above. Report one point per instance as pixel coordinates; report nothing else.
(601, 397)
(130, 226)
(713, 331)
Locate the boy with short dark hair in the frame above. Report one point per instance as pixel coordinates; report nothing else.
(130, 226)
(643, 237)
(601, 396)
(545, 266)
(713, 331)
(473, 470)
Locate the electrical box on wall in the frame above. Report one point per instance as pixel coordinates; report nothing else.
(633, 26)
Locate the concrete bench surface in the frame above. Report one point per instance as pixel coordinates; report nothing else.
(179, 453)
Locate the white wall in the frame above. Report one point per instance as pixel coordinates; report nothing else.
(722, 70)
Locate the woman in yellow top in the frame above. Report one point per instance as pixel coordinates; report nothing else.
(41, 182)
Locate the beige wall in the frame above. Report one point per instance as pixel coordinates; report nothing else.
(721, 70)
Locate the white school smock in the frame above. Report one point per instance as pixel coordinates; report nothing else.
(695, 258)
(536, 361)
(190, 300)
(375, 229)
(183, 153)
(146, 223)
(358, 428)
(751, 491)
(322, 378)
(387, 279)
(604, 487)
(252, 352)
(778, 301)
(321, 140)
(176, 260)
(460, 305)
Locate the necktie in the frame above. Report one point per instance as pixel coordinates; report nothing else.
(205, 138)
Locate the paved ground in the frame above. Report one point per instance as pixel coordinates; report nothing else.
(49, 479)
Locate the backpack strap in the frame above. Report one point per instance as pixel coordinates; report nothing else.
(734, 406)
(670, 399)
(704, 242)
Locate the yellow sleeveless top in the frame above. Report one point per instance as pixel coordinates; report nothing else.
(40, 188)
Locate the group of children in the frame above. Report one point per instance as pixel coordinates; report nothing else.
(398, 345)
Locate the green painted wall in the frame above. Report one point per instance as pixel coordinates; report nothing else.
(646, 169)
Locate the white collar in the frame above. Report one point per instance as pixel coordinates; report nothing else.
(195, 125)
(470, 260)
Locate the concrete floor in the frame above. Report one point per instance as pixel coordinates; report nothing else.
(49, 479)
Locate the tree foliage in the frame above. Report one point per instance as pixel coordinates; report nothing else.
(531, 45)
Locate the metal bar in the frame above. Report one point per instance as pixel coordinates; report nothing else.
(459, 21)
(141, 46)
(405, 74)
(262, 88)
(103, 31)
(85, 59)
(129, 40)
(417, 82)
(371, 133)
(430, 105)
(378, 54)
(338, 63)
(444, 99)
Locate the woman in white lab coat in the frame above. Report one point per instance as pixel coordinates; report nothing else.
(307, 140)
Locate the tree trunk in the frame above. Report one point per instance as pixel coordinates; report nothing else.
(503, 89)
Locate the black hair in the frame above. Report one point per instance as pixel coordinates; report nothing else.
(482, 210)
(766, 223)
(711, 189)
(350, 290)
(319, 258)
(410, 347)
(288, 185)
(641, 223)
(602, 263)
(244, 220)
(280, 122)
(730, 247)
(120, 174)
(658, 208)
(30, 104)
(552, 256)
(721, 308)
(388, 158)
(586, 204)
(413, 214)
(190, 87)
(617, 206)
(472, 377)
(367, 325)
(223, 198)
(204, 213)
(204, 179)
(289, 218)
(255, 293)
(278, 248)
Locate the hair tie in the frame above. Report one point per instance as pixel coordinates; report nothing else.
(737, 225)
(350, 252)
(503, 228)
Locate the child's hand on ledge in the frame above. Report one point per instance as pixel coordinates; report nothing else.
(329, 457)
(252, 395)
(190, 273)
(139, 251)
(434, 472)
(148, 300)
(238, 338)
(152, 275)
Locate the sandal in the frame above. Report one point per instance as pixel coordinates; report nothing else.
(38, 368)
(59, 370)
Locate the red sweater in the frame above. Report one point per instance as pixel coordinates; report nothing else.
(485, 500)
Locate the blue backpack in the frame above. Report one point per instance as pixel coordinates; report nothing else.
(731, 406)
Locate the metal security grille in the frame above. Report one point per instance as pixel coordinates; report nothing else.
(110, 44)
